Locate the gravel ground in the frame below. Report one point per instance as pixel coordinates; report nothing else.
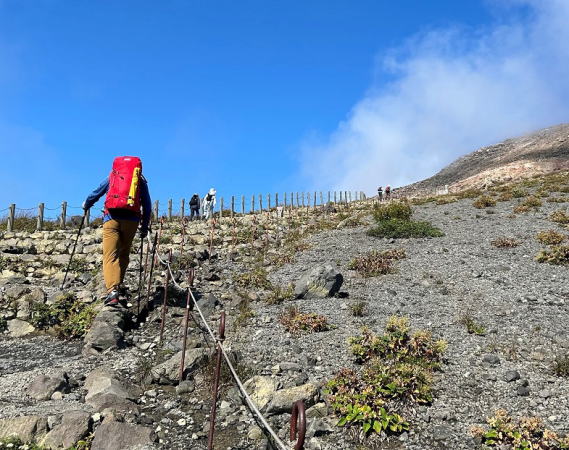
(521, 303)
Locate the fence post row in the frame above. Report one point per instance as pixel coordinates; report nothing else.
(169, 210)
(63, 216)
(182, 209)
(39, 224)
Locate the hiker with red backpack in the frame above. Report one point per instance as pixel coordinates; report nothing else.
(127, 205)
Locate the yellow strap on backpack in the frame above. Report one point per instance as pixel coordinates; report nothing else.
(133, 186)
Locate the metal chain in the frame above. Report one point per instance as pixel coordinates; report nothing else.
(250, 402)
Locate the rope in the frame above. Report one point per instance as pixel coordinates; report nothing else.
(26, 209)
(250, 402)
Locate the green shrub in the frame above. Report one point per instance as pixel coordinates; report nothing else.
(558, 255)
(472, 326)
(278, 294)
(397, 229)
(69, 317)
(397, 375)
(527, 433)
(445, 200)
(519, 192)
(358, 309)
(376, 263)
(257, 278)
(393, 210)
(561, 366)
(245, 314)
(484, 201)
(297, 322)
(527, 204)
(469, 193)
(558, 199)
(550, 237)
(17, 444)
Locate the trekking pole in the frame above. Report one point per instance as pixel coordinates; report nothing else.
(152, 262)
(73, 251)
(140, 277)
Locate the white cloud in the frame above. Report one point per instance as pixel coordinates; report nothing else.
(453, 91)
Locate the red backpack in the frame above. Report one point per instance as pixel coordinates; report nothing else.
(124, 184)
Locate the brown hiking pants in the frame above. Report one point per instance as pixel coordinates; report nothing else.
(117, 239)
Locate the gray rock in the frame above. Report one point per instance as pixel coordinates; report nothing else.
(282, 401)
(511, 375)
(168, 371)
(185, 387)
(116, 435)
(106, 332)
(261, 389)
(44, 386)
(74, 426)
(319, 282)
(25, 428)
(522, 391)
(19, 328)
(492, 359)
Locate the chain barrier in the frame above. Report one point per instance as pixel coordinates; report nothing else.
(223, 351)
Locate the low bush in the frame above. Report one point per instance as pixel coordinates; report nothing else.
(557, 254)
(358, 309)
(550, 237)
(401, 229)
(14, 443)
(69, 317)
(561, 366)
(484, 201)
(297, 322)
(527, 433)
(560, 217)
(278, 294)
(471, 325)
(376, 263)
(397, 376)
(505, 242)
(256, 278)
(558, 199)
(505, 196)
(519, 192)
(469, 193)
(393, 210)
(245, 314)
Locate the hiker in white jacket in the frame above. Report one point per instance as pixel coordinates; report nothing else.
(209, 204)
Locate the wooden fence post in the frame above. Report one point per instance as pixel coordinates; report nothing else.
(182, 209)
(39, 223)
(11, 217)
(232, 206)
(321, 198)
(277, 199)
(253, 203)
(340, 197)
(62, 218)
(268, 202)
(350, 194)
(334, 197)
(285, 205)
(303, 198)
(220, 209)
(169, 210)
(260, 202)
(156, 211)
(243, 204)
(328, 197)
(87, 217)
(314, 203)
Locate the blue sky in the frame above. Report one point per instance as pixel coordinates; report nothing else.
(249, 96)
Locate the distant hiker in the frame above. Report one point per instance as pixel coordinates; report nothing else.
(195, 207)
(387, 192)
(209, 204)
(380, 193)
(127, 203)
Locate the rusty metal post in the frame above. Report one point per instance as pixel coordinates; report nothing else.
(189, 305)
(220, 340)
(298, 424)
(165, 302)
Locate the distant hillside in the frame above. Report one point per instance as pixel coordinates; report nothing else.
(542, 152)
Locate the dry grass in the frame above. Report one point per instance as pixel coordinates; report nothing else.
(505, 242)
(550, 237)
(376, 263)
(484, 201)
(297, 322)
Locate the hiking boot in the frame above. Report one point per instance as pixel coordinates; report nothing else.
(112, 298)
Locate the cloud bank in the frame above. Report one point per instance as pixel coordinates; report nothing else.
(452, 91)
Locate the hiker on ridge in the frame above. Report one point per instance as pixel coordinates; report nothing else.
(387, 192)
(195, 207)
(126, 205)
(380, 193)
(209, 204)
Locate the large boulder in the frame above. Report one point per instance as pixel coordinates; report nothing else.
(25, 428)
(319, 282)
(261, 389)
(282, 401)
(168, 371)
(20, 328)
(74, 426)
(105, 391)
(124, 436)
(44, 386)
(107, 331)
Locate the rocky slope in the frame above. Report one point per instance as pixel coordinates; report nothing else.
(539, 153)
(119, 389)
